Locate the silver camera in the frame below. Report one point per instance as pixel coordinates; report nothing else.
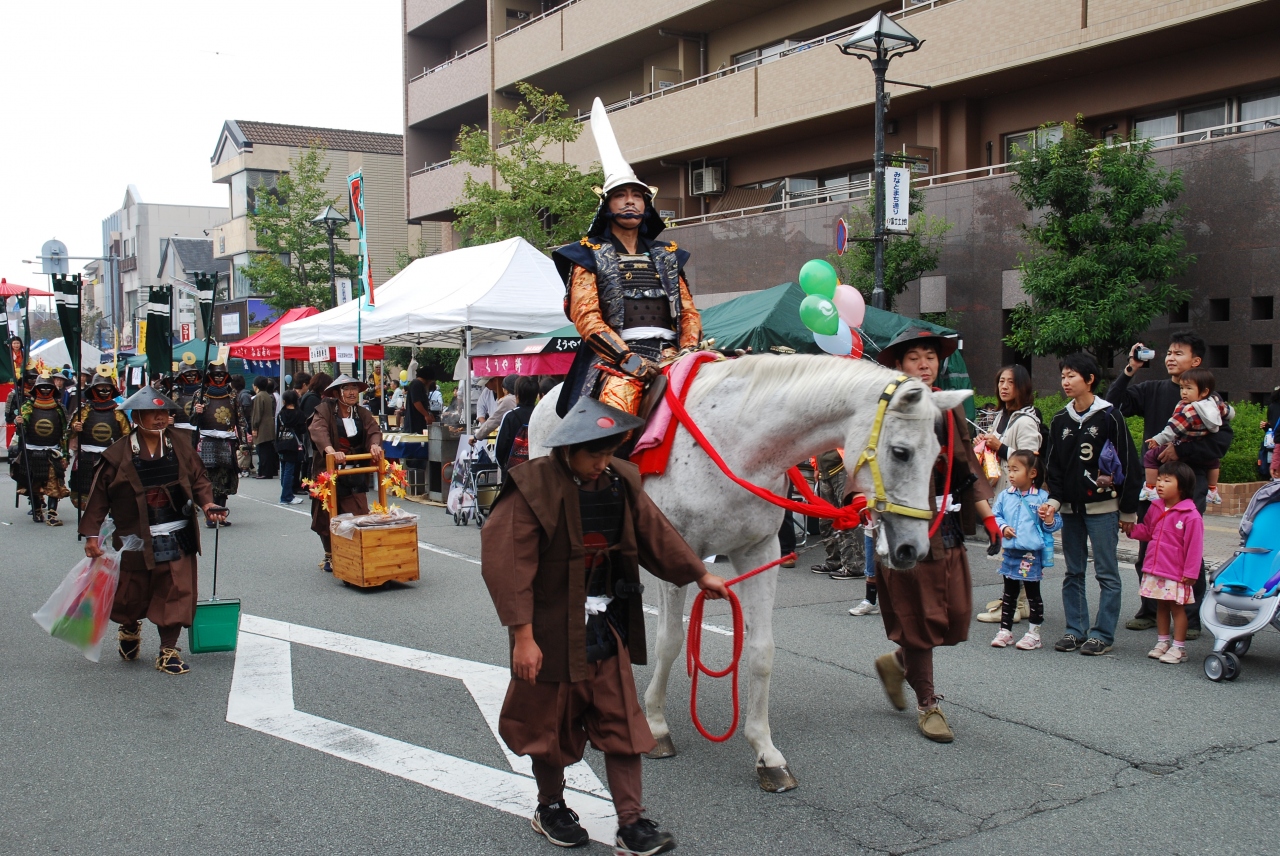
(1145, 355)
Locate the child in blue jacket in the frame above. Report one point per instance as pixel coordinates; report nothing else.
(1027, 540)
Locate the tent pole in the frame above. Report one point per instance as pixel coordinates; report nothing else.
(466, 379)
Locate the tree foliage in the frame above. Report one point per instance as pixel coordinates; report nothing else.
(546, 202)
(293, 269)
(1103, 249)
(906, 256)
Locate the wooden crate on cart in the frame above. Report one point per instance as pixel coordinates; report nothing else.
(377, 555)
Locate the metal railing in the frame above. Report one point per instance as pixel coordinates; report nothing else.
(450, 61)
(789, 200)
(535, 19)
(632, 100)
(432, 167)
(1200, 135)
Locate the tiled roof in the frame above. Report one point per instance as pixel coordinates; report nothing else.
(195, 254)
(300, 136)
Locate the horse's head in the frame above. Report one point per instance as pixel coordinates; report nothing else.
(906, 449)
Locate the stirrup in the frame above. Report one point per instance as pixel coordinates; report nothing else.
(171, 663)
(129, 643)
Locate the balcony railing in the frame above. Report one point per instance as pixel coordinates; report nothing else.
(1182, 138)
(536, 18)
(450, 61)
(432, 167)
(790, 199)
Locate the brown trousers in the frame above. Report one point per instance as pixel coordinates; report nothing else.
(357, 503)
(165, 596)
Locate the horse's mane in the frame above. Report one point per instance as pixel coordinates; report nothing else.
(772, 379)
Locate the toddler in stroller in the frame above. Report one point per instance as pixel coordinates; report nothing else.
(1245, 595)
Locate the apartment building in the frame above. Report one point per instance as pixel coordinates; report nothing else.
(251, 156)
(758, 130)
(135, 234)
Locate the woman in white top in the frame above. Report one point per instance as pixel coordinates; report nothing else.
(1017, 427)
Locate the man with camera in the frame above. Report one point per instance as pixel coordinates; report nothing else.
(1155, 401)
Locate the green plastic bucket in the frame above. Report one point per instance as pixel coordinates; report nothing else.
(216, 626)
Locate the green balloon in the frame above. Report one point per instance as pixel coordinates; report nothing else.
(820, 315)
(819, 277)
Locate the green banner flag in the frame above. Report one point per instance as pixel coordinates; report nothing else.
(206, 286)
(66, 290)
(159, 331)
(7, 369)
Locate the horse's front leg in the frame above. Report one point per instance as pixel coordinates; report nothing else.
(670, 639)
(757, 596)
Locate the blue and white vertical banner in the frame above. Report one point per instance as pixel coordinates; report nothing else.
(355, 184)
(897, 198)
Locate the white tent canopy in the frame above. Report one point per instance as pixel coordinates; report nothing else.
(451, 300)
(55, 353)
(499, 291)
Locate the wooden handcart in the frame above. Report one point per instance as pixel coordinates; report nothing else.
(371, 557)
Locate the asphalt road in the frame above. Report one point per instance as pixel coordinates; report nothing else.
(1055, 753)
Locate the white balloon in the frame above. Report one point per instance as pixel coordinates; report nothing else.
(840, 344)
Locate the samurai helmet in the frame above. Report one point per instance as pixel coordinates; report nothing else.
(188, 372)
(102, 387)
(217, 373)
(149, 399)
(618, 173)
(590, 420)
(345, 380)
(44, 385)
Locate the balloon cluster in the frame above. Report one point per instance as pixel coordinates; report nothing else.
(831, 310)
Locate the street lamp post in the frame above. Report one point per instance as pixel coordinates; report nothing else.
(332, 220)
(878, 41)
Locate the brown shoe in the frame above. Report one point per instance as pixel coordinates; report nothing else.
(892, 677)
(789, 563)
(933, 724)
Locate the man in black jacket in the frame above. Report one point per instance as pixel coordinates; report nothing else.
(1155, 401)
(1085, 486)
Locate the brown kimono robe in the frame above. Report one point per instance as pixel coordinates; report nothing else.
(162, 592)
(533, 561)
(324, 433)
(930, 604)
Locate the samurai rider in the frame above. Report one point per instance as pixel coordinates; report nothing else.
(625, 291)
(41, 468)
(560, 554)
(930, 605)
(215, 414)
(150, 484)
(96, 425)
(341, 426)
(186, 393)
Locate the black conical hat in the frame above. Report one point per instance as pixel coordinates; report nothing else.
(590, 420)
(148, 398)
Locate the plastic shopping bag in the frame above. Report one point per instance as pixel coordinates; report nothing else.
(79, 610)
(990, 463)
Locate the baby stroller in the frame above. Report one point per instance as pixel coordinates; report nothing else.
(474, 487)
(1245, 595)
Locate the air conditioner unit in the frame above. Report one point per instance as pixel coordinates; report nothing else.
(708, 181)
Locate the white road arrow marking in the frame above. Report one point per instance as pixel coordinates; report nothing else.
(261, 698)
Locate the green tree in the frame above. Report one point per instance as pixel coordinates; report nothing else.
(1106, 243)
(293, 267)
(408, 256)
(543, 201)
(906, 256)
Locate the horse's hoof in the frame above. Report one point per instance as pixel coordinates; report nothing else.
(777, 780)
(665, 749)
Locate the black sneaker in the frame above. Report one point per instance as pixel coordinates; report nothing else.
(824, 568)
(643, 838)
(1093, 647)
(1068, 642)
(559, 824)
(842, 574)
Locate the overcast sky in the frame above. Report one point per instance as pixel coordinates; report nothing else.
(101, 95)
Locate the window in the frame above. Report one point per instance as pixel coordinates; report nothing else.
(1181, 315)
(1157, 126)
(1220, 309)
(1260, 106)
(1260, 356)
(766, 54)
(1263, 309)
(1204, 116)
(1219, 357)
(804, 188)
(1028, 140)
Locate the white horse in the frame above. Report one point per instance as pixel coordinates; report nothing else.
(764, 414)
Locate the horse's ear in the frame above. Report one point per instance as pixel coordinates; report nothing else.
(908, 398)
(948, 399)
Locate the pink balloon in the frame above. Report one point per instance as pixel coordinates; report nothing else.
(850, 305)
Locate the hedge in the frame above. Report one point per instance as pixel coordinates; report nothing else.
(1241, 461)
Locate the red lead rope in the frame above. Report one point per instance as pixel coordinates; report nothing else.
(693, 659)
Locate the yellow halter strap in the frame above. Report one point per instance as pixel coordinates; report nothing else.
(880, 499)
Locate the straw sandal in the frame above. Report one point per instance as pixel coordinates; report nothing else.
(37, 516)
(51, 518)
(171, 663)
(130, 643)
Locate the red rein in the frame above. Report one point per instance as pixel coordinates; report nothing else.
(693, 659)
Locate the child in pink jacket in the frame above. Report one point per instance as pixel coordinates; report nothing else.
(1175, 531)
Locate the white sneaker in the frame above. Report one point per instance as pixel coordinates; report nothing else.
(1214, 498)
(1003, 639)
(866, 608)
(1148, 494)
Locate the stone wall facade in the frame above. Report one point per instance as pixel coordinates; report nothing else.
(1232, 196)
